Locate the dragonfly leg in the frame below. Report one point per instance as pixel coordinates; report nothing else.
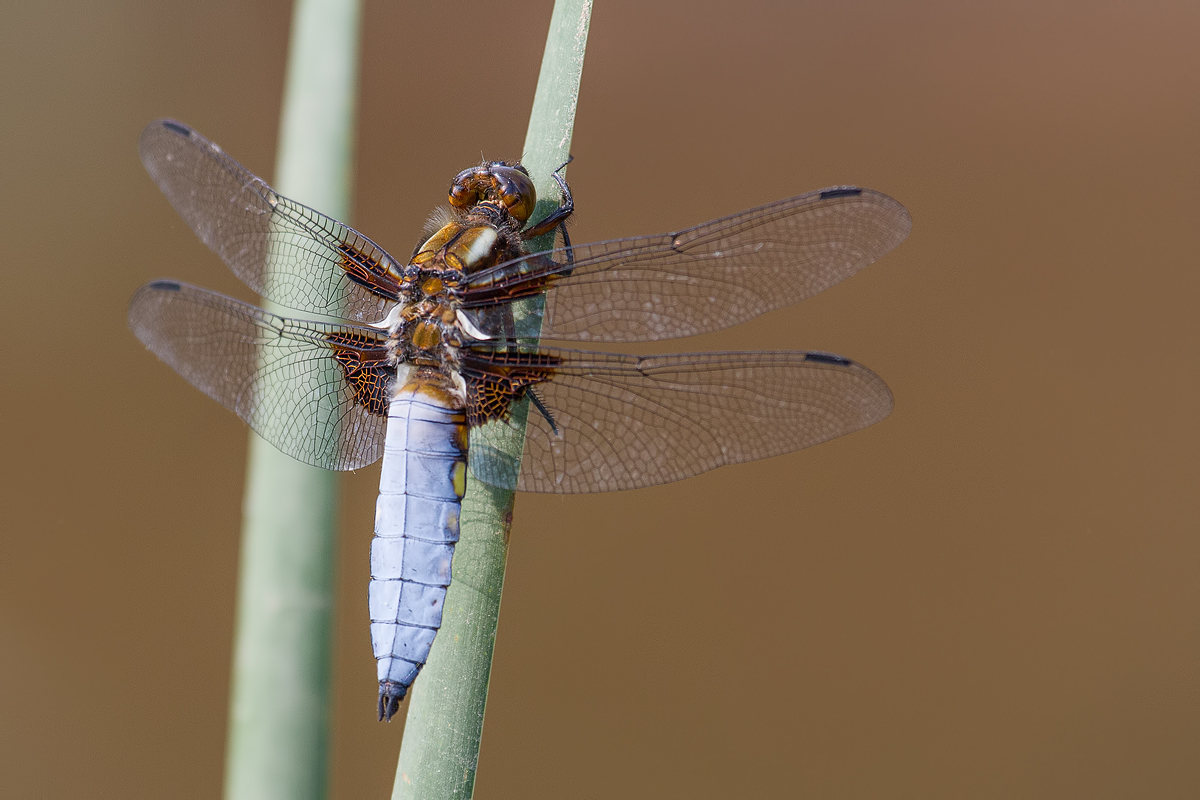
(541, 407)
(558, 217)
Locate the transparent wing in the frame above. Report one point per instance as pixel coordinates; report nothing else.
(316, 391)
(625, 422)
(331, 269)
(700, 279)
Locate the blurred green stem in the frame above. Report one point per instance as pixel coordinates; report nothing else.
(444, 727)
(279, 711)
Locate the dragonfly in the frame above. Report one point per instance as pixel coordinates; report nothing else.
(431, 363)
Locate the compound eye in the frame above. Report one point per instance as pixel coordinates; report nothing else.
(464, 191)
(516, 191)
(461, 196)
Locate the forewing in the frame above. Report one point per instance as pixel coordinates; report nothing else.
(704, 278)
(624, 422)
(316, 391)
(324, 266)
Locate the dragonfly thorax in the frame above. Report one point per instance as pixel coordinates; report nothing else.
(480, 240)
(427, 333)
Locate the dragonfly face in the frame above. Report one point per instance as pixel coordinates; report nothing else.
(428, 356)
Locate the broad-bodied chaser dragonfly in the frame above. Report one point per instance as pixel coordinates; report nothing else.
(431, 363)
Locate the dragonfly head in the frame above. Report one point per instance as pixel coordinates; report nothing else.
(508, 185)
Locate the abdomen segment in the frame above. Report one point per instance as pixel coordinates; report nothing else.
(416, 526)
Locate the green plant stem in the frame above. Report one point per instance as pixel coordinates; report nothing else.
(444, 726)
(279, 709)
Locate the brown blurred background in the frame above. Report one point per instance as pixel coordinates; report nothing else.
(994, 593)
